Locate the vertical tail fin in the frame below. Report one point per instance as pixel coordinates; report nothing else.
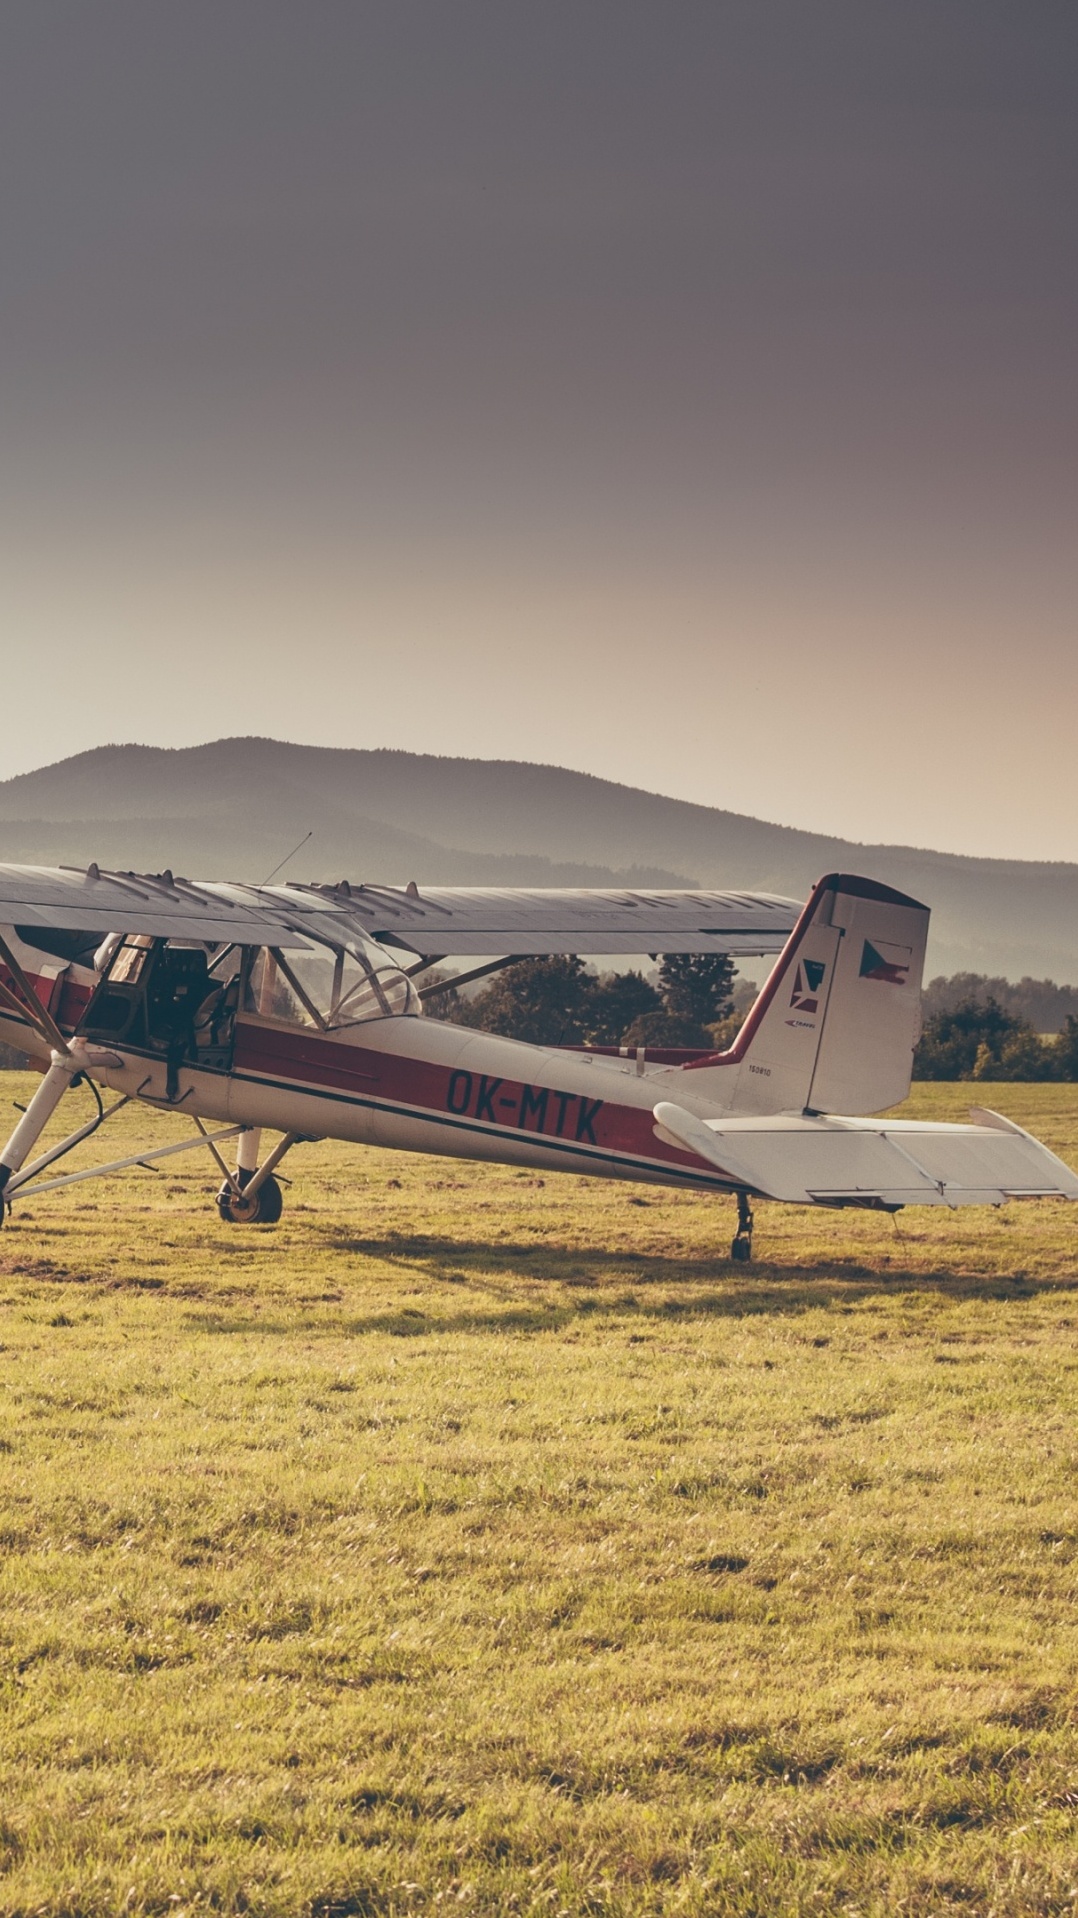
(835, 1025)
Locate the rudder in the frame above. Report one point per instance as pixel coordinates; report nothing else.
(836, 1022)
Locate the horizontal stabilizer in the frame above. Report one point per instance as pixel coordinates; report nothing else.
(889, 1162)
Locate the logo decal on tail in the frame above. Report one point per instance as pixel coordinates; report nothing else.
(877, 965)
(808, 979)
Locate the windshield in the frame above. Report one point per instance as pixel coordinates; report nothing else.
(327, 990)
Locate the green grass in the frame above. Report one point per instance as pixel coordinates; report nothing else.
(473, 1541)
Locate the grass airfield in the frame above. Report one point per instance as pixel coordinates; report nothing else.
(477, 1541)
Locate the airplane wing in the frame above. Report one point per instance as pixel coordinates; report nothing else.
(437, 921)
(529, 921)
(889, 1162)
(96, 902)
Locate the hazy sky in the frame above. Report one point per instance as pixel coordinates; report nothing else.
(684, 392)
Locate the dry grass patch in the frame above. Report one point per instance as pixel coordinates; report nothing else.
(479, 1540)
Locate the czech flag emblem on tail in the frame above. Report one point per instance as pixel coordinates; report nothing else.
(875, 964)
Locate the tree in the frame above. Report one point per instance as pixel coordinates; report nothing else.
(697, 991)
(1040, 1003)
(445, 1005)
(616, 1000)
(1025, 1055)
(724, 1031)
(545, 1001)
(951, 1040)
(1066, 1049)
(664, 1028)
(981, 1040)
(697, 985)
(555, 1001)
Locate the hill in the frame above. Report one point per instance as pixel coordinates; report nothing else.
(236, 807)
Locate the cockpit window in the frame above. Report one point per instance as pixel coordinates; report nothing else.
(129, 959)
(328, 990)
(367, 985)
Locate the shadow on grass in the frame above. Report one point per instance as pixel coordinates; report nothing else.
(609, 1285)
(484, 1262)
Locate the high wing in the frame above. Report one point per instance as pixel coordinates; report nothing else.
(437, 921)
(882, 1162)
(533, 920)
(92, 901)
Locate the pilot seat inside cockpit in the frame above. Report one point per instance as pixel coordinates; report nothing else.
(164, 999)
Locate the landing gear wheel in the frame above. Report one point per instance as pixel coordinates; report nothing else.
(263, 1208)
(741, 1248)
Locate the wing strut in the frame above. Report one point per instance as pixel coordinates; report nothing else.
(466, 978)
(26, 1003)
(135, 1158)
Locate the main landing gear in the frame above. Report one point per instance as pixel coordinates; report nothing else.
(263, 1207)
(251, 1195)
(742, 1246)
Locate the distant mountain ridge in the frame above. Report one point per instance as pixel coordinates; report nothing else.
(236, 807)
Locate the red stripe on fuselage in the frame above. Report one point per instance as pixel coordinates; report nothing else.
(64, 998)
(74, 999)
(41, 987)
(510, 1105)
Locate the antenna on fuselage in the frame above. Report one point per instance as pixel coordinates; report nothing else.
(290, 855)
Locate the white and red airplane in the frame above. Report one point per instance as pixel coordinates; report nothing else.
(297, 1009)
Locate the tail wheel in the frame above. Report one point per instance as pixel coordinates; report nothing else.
(264, 1207)
(741, 1248)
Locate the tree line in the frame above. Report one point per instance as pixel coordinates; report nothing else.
(558, 1002)
(978, 1039)
(1039, 1003)
(696, 1000)
(975, 1027)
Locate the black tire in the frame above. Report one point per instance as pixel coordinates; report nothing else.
(264, 1209)
(741, 1249)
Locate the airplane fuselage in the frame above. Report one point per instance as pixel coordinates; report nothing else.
(417, 1084)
